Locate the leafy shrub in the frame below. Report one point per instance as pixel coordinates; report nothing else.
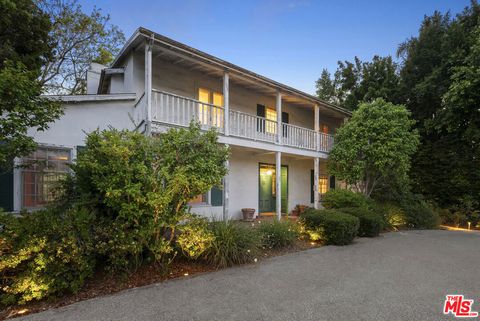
(341, 198)
(232, 244)
(332, 226)
(459, 216)
(44, 253)
(419, 214)
(371, 223)
(195, 237)
(140, 187)
(278, 234)
(393, 216)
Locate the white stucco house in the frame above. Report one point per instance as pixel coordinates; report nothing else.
(279, 136)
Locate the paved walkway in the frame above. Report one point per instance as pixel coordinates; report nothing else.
(398, 276)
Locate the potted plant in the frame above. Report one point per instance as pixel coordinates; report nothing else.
(248, 214)
(299, 209)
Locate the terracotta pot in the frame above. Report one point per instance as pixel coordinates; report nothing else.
(248, 214)
(301, 209)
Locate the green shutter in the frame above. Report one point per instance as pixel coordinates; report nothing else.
(285, 121)
(80, 149)
(6, 190)
(261, 122)
(311, 186)
(332, 182)
(216, 195)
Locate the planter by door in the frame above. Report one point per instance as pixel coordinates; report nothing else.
(248, 214)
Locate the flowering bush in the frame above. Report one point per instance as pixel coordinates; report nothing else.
(278, 234)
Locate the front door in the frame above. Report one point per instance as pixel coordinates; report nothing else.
(267, 188)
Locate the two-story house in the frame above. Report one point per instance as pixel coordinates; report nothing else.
(279, 136)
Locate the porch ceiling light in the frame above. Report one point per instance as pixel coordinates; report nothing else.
(269, 172)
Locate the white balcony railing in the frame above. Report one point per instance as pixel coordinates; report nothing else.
(252, 127)
(300, 137)
(180, 111)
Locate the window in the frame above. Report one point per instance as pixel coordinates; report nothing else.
(208, 114)
(323, 184)
(214, 198)
(201, 199)
(41, 172)
(271, 114)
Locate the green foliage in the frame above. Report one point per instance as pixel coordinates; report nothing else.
(332, 226)
(195, 237)
(278, 234)
(374, 145)
(459, 216)
(24, 34)
(21, 107)
(393, 216)
(438, 82)
(80, 38)
(371, 223)
(325, 87)
(357, 81)
(340, 198)
(141, 186)
(23, 49)
(233, 244)
(440, 86)
(44, 253)
(419, 214)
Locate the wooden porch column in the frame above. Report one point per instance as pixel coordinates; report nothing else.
(278, 108)
(148, 85)
(226, 187)
(226, 110)
(316, 165)
(316, 126)
(278, 183)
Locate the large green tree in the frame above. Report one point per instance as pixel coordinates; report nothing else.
(24, 34)
(78, 39)
(357, 81)
(374, 146)
(439, 79)
(24, 46)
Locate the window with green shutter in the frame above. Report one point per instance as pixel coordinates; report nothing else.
(6, 189)
(332, 182)
(216, 196)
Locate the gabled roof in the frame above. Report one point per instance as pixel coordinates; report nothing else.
(141, 35)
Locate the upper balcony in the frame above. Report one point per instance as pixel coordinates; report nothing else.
(174, 110)
(182, 84)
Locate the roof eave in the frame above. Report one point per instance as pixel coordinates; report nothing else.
(147, 34)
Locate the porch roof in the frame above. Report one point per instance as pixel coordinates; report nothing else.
(188, 55)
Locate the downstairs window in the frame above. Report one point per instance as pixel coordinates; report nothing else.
(41, 172)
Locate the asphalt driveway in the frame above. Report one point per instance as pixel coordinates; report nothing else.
(398, 276)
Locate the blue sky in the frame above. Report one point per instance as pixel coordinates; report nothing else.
(287, 40)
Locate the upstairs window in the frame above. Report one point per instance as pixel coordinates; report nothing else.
(207, 114)
(270, 126)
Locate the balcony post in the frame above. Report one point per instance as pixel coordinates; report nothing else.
(316, 165)
(226, 104)
(278, 107)
(226, 187)
(316, 126)
(278, 183)
(148, 85)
